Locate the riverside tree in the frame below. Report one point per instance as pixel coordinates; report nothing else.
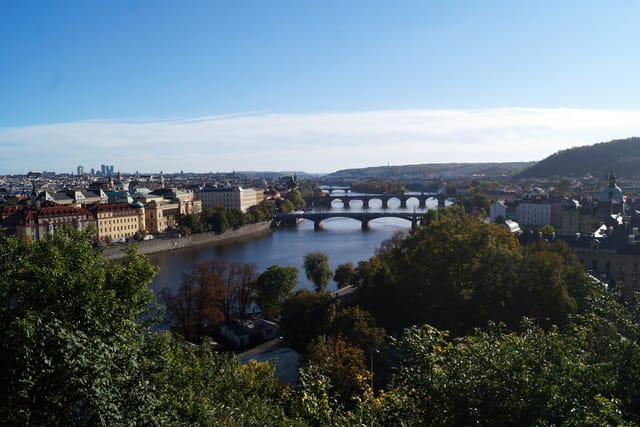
(273, 287)
(208, 296)
(316, 267)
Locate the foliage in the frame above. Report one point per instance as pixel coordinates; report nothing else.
(69, 348)
(196, 308)
(475, 201)
(376, 186)
(343, 364)
(209, 295)
(295, 197)
(547, 229)
(306, 315)
(458, 273)
(359, 327)
(345, 275)
(316, 268)
(495, 377)
(621, 155)
(273, 287)
(196, 386)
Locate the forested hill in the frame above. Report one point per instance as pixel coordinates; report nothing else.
(420, 172)
(621, 156)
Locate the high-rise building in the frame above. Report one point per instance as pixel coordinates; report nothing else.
(80, 171)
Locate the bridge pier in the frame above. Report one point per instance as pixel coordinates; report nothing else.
(441, 200)
(385, 203)
(422, 202)
(345, 203)
(403, 203)
(365, 203)
(364, 224)
(317, 225)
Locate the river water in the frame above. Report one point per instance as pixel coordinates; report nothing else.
(341, 239)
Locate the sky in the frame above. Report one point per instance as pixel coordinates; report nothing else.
(313, 86)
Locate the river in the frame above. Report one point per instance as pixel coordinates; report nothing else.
(341, 239)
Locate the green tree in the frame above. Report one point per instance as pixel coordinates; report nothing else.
(70, 342)
(284, 206)
(217, 219)
(345, 275)
(305, 315)
(458, 273)
(359, 327)
(316, 267)
(295, 197)
(273, 287)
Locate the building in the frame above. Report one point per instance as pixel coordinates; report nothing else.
(44, 220)
(117, 222)
(534, 210)
(187, 203)
(229, 198)
(160, 216)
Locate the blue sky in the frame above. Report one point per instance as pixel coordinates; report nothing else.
(311, 85)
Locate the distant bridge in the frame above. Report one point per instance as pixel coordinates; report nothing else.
(346, 199)
(363, 217)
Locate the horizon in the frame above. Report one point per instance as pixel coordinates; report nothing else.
(312, 87)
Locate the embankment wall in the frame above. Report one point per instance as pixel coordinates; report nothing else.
(168, 244)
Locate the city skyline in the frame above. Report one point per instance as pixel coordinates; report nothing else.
(316, 87)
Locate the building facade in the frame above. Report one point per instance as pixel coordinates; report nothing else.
(230, 198)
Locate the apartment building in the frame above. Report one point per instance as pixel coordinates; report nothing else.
(39, 222)
(230, 198)
(117, 222)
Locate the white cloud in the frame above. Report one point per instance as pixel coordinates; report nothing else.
(317, 142)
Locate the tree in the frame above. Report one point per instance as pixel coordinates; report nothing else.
(209, 295)
(305, 315)
(458, 273)
(198, 305)
(217, 219)
(72, 329)
(316, 267)
(274, 286)
(343, 364)
(359, 327)
(345, 275)
(295, 197)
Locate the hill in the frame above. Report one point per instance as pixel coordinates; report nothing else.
(421, 172)
(621, 156)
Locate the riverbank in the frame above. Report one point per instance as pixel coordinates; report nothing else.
(169, 244)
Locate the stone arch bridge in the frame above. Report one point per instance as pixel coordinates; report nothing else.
(346, 198)
(363, 217)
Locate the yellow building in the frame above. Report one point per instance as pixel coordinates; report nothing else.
(160, 216)
(117, 222)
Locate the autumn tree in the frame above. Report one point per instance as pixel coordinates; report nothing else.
(197, 306)
(344, 365)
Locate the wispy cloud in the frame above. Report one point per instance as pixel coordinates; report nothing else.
(315, 142)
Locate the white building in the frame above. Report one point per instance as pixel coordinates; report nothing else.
(230, 198)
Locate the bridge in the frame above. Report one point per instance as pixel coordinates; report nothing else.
(363, 217)
(346, 198)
